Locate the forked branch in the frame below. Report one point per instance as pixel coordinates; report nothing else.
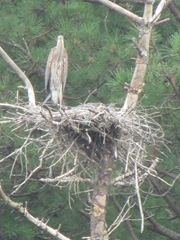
(158, 11)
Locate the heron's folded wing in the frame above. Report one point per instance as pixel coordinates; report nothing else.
(65, 69)
(48, 68)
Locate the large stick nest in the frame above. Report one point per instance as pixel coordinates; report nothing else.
(87, 134)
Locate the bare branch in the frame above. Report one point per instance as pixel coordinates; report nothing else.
(158, 11)
(172, 80)
(121, 1)
(161, 229)
(115, 7)
(27, 82)
(63, 179)
(165, 194)
(162, 21)
(122, 216)
(167, 173)
(127, 222)
(138, 192)
(24, 211)
(174, 10)
(35, 170)
(86, 139)
(18, 46)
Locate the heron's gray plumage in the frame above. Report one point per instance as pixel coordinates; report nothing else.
(56, 71)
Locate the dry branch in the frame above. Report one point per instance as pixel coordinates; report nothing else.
(86, 134)
(158, 11)
(26, 81)
(24, 211)
(115, 7)
(174, 10)
(83, 145)
(127, 222)
(156, 227)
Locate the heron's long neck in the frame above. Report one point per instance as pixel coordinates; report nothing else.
(60, 47)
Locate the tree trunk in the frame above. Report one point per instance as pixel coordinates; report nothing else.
(99, 200)
(142, 47)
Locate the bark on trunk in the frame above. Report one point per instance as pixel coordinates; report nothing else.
(99, 200)
(136, 85)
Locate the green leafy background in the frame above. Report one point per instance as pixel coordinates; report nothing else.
(101, 56)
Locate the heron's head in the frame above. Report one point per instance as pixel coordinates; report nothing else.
(60, 39)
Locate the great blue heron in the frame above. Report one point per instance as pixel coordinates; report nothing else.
(56, 72)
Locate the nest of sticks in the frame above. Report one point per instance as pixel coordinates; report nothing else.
(75, 140)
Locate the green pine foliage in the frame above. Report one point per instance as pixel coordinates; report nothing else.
(101, 56)
(18, 229)
(94, 49)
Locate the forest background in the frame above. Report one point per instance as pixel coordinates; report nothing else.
(101, 60)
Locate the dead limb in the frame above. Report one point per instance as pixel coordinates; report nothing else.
(21, 74)
(156, 227)
(24, 211)
(158, 11)
(115, 7)
(174, 10)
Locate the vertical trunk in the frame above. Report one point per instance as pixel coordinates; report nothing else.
(99, 200)
(136, 85)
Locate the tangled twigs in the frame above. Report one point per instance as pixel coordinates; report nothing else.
(74, 144)
(87, 133)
